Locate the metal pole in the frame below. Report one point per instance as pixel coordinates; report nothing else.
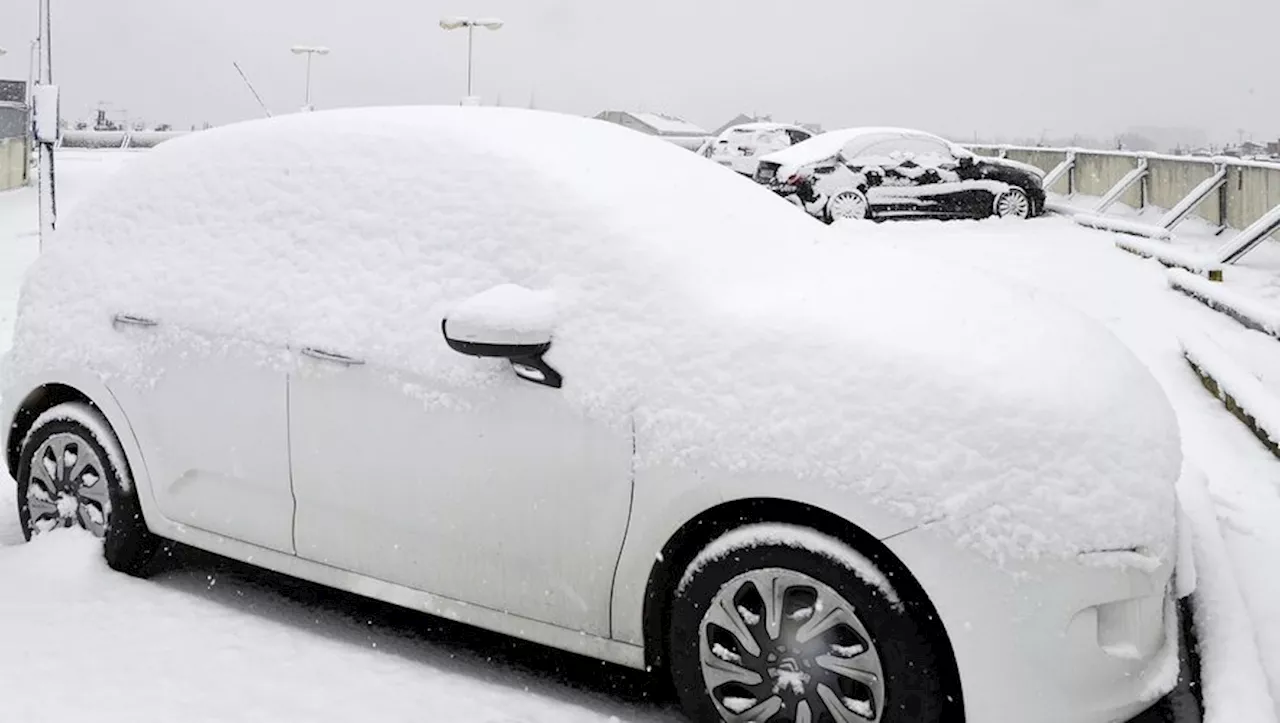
(308, 101)
(471, 29)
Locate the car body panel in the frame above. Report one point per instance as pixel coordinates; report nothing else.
(226, 469)
(407, 479)
(1029, 648)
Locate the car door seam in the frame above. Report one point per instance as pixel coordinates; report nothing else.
(626, 529)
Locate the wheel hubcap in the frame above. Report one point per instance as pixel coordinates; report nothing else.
(1014, 203)
(777, 645)
(848, 205)
(67, 487)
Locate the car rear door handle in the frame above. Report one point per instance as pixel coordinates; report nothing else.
(132, 320)
(327, 356)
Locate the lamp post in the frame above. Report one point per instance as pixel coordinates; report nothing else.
(309, 51)
(471, 25)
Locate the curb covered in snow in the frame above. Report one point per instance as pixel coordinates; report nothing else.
(1243, 394)
(1170, 256)
(1247, 311)
(1233, 682)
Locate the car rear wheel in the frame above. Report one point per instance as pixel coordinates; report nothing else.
(67, 478)
(847, 205)
(783, 631)
(1013, 203)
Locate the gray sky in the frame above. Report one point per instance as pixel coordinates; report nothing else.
(994, 67)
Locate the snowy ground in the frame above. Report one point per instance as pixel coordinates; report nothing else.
(213, 640)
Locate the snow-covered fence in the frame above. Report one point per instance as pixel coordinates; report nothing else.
(1226, 192)
(116, 139)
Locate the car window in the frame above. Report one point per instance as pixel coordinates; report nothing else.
(798, 136)
(928, 152)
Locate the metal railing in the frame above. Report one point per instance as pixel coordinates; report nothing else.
(1228, 193)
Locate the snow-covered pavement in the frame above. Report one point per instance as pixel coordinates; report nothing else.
(212, 640)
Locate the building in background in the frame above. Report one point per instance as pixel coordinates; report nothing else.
(668, 127)
(15, 125)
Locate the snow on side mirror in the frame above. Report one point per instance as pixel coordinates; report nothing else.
(45, 122)
(510, 322)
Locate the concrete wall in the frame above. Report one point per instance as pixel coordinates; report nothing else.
(13, 163)
(1251, 191)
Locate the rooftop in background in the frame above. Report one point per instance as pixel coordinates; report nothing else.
(657, 124)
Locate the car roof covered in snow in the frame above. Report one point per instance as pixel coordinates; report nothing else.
(736, 333)
(827, 145)
(761, 126)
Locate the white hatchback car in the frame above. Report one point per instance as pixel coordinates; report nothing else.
(625, 406)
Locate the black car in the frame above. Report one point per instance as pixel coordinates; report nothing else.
(883, 173)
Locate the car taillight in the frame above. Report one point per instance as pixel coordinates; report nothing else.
(797, 179)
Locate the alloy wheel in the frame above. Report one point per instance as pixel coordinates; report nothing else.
(847, 204)
(1013, 204)
(777, 645)
(67, 487)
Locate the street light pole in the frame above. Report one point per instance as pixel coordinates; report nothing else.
(471, 37)
(454, 23)
(309, 51)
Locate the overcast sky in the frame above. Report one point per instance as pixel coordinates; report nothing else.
(958, 67)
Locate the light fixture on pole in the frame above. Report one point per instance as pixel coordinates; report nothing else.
(309, 51)
(470, 24)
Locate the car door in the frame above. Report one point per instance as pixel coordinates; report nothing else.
(917, 176)
(211, 415)
(499, 494)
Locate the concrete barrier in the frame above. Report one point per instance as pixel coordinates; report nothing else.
(13, 163)
(1251, 191)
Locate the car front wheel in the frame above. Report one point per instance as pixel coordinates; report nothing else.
(1013, 203)
(777, 623)
(67, 478)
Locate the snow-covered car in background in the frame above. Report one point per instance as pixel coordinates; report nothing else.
(631, 408)
(741, 147)
(884, 173)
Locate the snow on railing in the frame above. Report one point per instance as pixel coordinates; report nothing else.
(1231, 193)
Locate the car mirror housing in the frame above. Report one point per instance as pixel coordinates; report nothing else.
(508, 322)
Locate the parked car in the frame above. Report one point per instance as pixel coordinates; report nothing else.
(740, 147)
(628, 407)
(883, 173)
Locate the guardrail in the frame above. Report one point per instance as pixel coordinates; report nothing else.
(1229, 193)
(116, 139)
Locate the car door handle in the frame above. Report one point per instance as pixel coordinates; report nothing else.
(132, 320)
(323, 355)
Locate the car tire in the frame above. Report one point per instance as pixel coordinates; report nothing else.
(66, 453)
(1013, 203)
(847, 205)
(872, 632)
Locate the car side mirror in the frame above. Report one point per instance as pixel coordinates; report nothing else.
(508, 322)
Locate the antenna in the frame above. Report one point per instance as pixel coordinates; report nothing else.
(265, 109)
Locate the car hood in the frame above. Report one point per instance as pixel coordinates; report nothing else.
(938, 393)
(1019, 165)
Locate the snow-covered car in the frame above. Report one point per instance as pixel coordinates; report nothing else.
(883, 173)
(740, 147)
(629, 407)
